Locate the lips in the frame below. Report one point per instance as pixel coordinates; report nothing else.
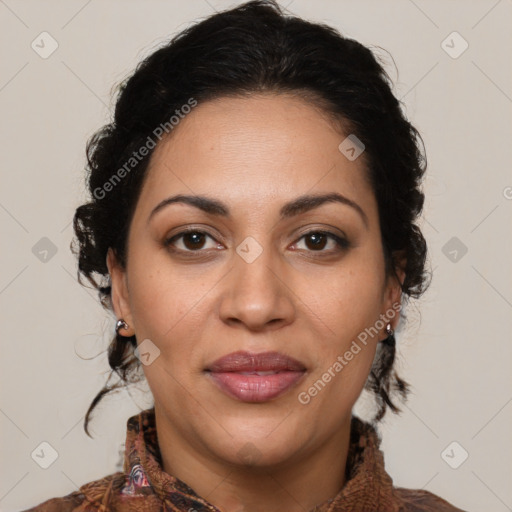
(255, 377)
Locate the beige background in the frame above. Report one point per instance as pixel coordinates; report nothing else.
(457, 355)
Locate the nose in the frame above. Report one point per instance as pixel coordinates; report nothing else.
(258, 294)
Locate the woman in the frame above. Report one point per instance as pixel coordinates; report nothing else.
(252, 227)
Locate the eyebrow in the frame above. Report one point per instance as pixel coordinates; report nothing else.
(297, 206)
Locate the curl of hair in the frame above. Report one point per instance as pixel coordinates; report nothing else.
(256, 48)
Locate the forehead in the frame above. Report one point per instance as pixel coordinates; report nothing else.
(261, 148)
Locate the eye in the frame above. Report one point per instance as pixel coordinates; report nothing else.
(192, 240)
(317, 241)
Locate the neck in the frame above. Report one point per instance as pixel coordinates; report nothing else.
(295, 486)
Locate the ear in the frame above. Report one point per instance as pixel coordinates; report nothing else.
(393, 293)
(119, 292)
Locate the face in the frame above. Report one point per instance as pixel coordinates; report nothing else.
(257, 272)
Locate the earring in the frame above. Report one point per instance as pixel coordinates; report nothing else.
(390, 340)
(121, 324)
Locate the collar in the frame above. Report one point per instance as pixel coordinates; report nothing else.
(368, 487)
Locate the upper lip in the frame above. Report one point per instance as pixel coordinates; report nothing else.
(242, 361)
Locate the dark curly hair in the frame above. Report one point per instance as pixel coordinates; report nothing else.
(255, 48)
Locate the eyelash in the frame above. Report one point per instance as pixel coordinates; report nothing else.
(342, 243)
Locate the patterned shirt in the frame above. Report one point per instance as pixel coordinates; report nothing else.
(143, 485)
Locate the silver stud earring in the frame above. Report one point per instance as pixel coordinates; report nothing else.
(121, 324)
(390, 339)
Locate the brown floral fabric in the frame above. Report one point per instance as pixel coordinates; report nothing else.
(143, 486)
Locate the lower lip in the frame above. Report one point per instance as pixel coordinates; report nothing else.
(255, 388)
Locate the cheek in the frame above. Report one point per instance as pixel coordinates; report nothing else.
(333, 388)
(171, 305)
(161, 294)
(346, 300)
(344, 308)
(156, 306)
(167, 309)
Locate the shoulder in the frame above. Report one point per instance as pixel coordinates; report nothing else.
(419, 500)
(90, 497)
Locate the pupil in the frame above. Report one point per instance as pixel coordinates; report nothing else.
(317, 239)
(194, 240)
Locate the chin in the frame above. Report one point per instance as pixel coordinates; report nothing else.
(257, 446)
(260, 454)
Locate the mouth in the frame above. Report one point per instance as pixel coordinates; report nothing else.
(255, 377)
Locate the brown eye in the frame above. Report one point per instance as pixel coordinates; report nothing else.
(317, 241)
(193, 241)
(190, 241)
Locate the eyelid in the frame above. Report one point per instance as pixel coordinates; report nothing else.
(326, 229)
(169, 239)
(341, 241)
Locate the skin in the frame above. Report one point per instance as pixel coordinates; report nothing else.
(254, 154)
